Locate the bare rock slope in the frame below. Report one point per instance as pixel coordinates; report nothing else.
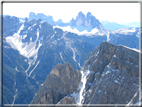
(110, 75)
(62, 81)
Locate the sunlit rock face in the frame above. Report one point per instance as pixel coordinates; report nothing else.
(62, 81)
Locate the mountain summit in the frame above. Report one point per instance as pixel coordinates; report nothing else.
(86, 21)
(62, 81)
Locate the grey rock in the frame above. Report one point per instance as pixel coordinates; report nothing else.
(113, 79)
(47, 95)
(116, 75)
(67, 100)
(63, 80)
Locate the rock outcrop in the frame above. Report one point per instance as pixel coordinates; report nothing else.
(67, 100)
(62, 81)
(115, 75)
(110, 75)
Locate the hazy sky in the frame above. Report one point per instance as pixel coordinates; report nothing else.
(113, 12)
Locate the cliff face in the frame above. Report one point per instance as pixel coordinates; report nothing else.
(110, 75)
(62, 81)
(115, 75)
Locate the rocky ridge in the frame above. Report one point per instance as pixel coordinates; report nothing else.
(115, 77)
(110, 75)
(31, 48)
(62, 81)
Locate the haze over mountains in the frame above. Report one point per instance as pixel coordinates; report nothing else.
(114, 25)
(33, 46)
(82, 20)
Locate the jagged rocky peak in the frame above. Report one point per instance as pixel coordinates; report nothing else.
(62, 81)
(98, 56)
(110, 75)
(48, 18)
(114, 75)
(106, 52)
(11, 25)
(87, 21)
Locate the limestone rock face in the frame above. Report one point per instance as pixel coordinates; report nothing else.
(47, 95)
(110, 75)
(114, 77)
(63, 78)
(67, 100)
(62, 81)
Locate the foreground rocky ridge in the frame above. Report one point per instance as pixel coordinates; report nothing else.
(110, 75)
(62, 81)
(115, 77)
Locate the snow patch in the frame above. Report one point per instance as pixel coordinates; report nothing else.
(14, 96)
(44, 85)
(34, 68)
(52, 36)
(116, 81)
(74, 50)
(21, 20)
(24, 36)
(64, 34)
(131, 102)
(29, 28)
(124, 31)
(25, 49)
(138, 34)
(16, 69)
(42, 22)
(108, 72)
(137, 50)
(82, 85)
(34, 24)
(40, 26)
(108, 39)
(62, 57)
(75, 96)
(114, 56)
(90, 91)
(85, 32)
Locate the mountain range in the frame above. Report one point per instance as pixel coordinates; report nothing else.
(33, 47)
(113, 25)
(83, 22)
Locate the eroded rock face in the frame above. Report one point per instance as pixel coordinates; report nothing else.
(110, 75)
(47, 95)
(67, 100)
(62, 81)
(63, 78)
(114, 77)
